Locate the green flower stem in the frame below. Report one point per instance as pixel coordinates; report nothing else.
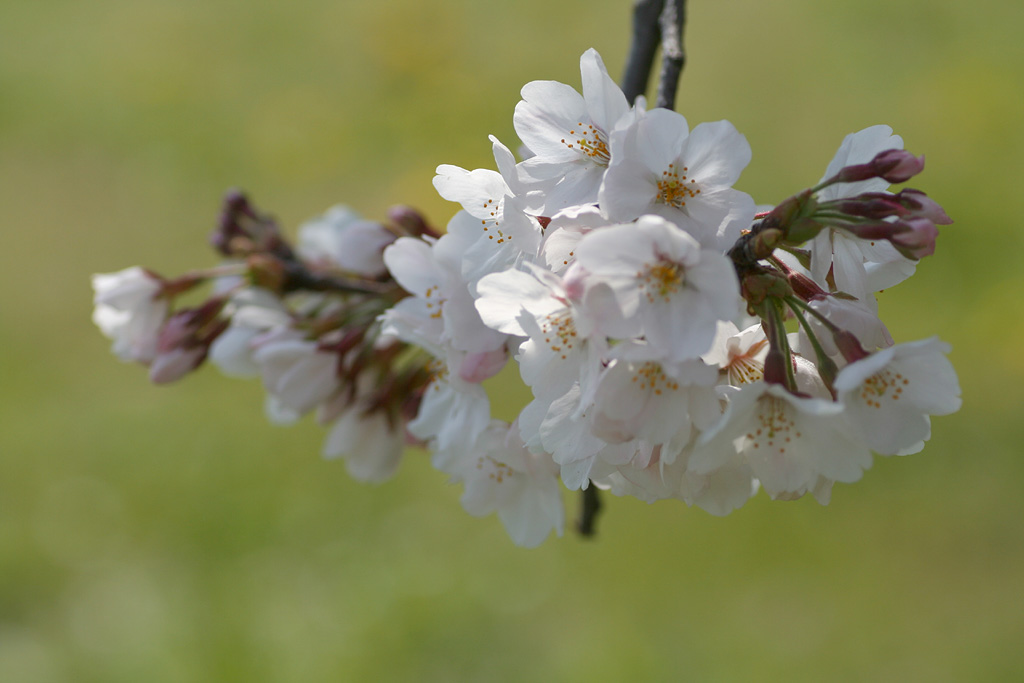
(774, 315)
(826, 366)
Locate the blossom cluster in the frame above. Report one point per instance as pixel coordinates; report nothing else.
(678, 340)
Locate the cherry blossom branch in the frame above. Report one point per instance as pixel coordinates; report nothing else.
(387, 330)
(673, 57)
(299, 277)
(646, 36)
(590, 505)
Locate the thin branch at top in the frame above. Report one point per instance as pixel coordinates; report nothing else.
(673, 56)
(646, 36)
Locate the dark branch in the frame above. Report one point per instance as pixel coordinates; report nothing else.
(646, 36)
(673, 57)
(299, 277)
(590, 505)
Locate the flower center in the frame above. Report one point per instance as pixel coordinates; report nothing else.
(774, 427)
(881, 385)
(496, 471)
(559, 332)
(492, 230)
(589, 140)
(651, 377)
(437, 369)
(434, 301)
(674, 189)
(745, 368)
(661, 279)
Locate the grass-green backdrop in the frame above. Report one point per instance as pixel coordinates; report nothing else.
(171, 534)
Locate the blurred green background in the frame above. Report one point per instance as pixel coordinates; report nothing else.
(172, 534)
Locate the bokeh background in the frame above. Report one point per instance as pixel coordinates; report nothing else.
(172, 534)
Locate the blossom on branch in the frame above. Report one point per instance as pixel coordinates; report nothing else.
(130, 310)
(676, 343)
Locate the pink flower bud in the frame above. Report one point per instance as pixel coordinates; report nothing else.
(916, 239)
(873, 205)
(176, 363)
(893, 165)
(411, 221)
(882, 230)
(897, 165)
(192, 326)
(804, 287)
(849, 346)
(923, 206)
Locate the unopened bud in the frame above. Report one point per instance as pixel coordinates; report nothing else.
(804, 287)
(916, 239)
(411, 221)
(795, 218)
(174, 364)
(893, 165)
(921, 205)
(897, 165)
(849, 346)
(913, 237)
(882, 230)
(189, 326)
(225, 238)
(871, 205)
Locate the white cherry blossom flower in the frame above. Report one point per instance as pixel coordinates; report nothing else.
(789, 442)
(452, 413)
(295, 371)
(859, 148)
(568, 134)
(658, 405)
(440, 316)
(889, 395)
(671, 290)
(659, 167)
(564, 232)
(718, 492)
(130, 311)
(564, 427)
(253, 311)
(502, 233)
(371, 448)
(341, 238)
(739, 355)
(501, 475)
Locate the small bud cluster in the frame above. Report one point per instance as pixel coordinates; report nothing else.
(677, 342)
(302, 317)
